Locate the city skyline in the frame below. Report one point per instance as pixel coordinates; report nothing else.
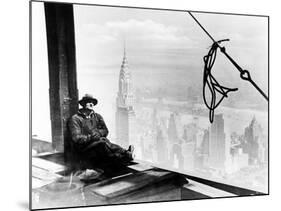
(187, 146)
(199, 156)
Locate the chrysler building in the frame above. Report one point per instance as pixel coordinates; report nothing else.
(125, 115)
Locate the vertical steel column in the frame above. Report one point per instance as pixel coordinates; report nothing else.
(62, 69)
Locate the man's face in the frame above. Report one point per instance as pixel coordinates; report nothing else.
(90, 106)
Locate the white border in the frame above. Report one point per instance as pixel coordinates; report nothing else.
(15, 104)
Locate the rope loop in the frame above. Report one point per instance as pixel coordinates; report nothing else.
(210, 81)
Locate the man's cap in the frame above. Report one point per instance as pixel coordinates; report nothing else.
(86, 99)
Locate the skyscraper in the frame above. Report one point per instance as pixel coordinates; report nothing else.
(217, 150)
(253, 142)
(174, 128)
(188, 152)
(125, 114)
(176, 156)
(205, 147)
(161, 146)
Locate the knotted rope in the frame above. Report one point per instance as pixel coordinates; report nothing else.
(208, 78)
(212, 83)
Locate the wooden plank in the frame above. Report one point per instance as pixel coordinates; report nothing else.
(42, 154)
(47, 165)
(207, 190)
(38, 183)
(116, 187)
(164, 190)
(140, 167)
(44, 174)
(55, 157)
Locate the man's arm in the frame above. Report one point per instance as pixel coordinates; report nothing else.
(76, 132)
(102, 128)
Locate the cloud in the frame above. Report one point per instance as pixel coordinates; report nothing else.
(145, 30)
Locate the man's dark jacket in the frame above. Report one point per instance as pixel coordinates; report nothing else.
(82, 128)
(88, 134)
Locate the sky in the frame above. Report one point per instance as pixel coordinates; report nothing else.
(166, 41)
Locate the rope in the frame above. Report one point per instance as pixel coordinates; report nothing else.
(212, 83)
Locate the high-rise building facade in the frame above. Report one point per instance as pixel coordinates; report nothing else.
(161, 146)
(217, 148)
(125, 114)
(174, 128)
(254, 144)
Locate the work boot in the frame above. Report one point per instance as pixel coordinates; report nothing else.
(130, 151)
(131, 148)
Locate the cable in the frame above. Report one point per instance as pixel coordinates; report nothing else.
(244, 74)
(202, 27)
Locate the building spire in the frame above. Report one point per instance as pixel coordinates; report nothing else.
(124, 48)
(124, 52)
(125, 92)
(125, 116)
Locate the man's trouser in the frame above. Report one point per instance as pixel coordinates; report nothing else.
(103, 149)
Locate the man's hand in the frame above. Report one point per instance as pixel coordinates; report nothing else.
(95, 135)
